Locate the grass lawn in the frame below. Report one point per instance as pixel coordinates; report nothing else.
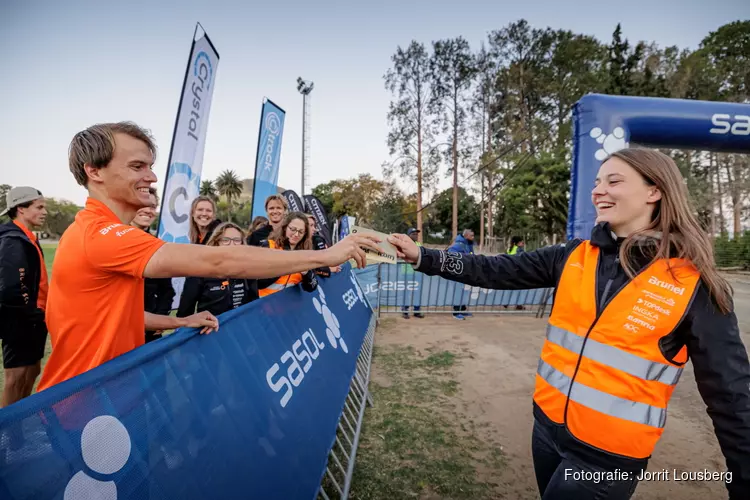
(414, 442)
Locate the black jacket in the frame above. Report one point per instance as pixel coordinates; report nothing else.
(20, 274)
(215, 295)
(259, 236)
(309, 280)
(158, 295)
(210, 230)
(718, 355)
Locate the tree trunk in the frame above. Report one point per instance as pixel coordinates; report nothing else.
(735, 193)
(481, 212)
(419, 183)
(716, 170)
(712, 200)
(455, 164)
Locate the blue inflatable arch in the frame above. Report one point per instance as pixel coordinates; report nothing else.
(602, 124)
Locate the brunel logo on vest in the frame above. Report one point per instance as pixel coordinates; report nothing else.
(679, 290)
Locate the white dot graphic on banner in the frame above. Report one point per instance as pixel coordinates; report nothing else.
(105, 446)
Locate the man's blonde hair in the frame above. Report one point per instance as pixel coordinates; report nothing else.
(278, 198)
(96, 146)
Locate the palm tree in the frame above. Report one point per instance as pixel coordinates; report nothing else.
(208, 189)
(230, 186)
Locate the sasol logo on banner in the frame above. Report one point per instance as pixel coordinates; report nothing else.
(727, 124)
(392, 286)
(305, 350)
(182, 188)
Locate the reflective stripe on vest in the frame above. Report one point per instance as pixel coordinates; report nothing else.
(286, 281)
(604, 376)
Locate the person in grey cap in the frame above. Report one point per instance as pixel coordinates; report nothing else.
(23, 292)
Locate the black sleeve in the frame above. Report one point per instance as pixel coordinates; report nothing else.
(722, 373)
(191, 292)
(538, 269)
(324, 272)
(309, 281)
(12, 260)
(259, 235)
(164, 296)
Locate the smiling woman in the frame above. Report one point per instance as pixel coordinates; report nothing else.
(633, 304)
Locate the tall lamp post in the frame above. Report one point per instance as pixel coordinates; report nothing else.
(304, 87)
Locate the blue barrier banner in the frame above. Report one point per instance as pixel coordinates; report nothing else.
(267, 159)
(249, 411)
(400, 286)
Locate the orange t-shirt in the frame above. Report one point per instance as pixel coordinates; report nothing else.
(95, 305)
(41, 301)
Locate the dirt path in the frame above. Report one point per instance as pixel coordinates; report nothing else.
(497, 362)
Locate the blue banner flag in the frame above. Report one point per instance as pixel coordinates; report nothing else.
(249, 411)
(267, 159)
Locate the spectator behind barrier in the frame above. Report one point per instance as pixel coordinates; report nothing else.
(464, 243)
(292, 234)
(158, 292)
(517, 245)
(218, 295)
(258, 223)
(95, 304)
(319, 243)
(23, 292)
(202, 219)
(276, 209)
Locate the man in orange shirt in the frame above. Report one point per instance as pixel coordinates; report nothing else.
(23, 293)
(95, 307)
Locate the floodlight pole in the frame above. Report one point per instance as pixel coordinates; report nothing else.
(304, 87)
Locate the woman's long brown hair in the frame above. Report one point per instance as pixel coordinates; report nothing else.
(195, 233)
(674, 231)
(279, 236)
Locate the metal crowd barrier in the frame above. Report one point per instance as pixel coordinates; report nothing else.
(399, 289)
(337, 480)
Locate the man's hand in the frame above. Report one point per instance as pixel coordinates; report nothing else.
(406, 249)
(202, 319)
(336, 269)
(350, 248)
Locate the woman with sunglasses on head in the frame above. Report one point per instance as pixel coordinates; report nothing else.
(632, 305)
(215, 295)
(293, 234)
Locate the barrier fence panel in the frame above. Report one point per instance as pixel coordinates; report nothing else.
(250, 411)
(397, 288)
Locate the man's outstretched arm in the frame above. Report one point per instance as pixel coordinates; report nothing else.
(173, 260)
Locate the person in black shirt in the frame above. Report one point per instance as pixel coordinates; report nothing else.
(319, 243)
(159, 292)
(276, 208)
(217, 295)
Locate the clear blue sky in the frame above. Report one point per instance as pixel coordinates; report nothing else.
(69, 64)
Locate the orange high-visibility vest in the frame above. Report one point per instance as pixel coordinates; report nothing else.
(605, 377)
(283, 281)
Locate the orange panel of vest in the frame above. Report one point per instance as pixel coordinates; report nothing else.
(283, 281)
(605, 377)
